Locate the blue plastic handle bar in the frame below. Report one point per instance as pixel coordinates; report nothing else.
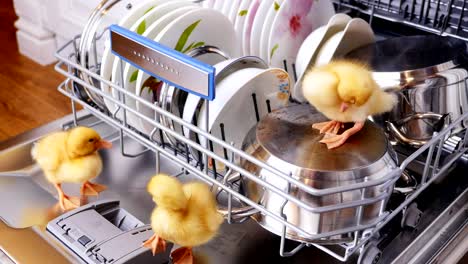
(130, 42)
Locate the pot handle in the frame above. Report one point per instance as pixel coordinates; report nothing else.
(238, 214)
(402, 138)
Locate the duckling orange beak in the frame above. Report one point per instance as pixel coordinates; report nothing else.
(344, 106)
(102, 144)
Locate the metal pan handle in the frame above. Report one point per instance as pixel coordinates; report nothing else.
(237, 214)
(404, 139)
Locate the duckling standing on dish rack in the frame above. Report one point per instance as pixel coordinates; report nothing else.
(72, 157)
(344, 91)
(186, 214)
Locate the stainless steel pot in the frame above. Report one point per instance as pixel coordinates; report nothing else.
(285, 140)
(428, 73)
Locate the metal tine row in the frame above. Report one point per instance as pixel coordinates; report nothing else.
(444, 17)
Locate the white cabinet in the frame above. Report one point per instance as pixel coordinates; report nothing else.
(44, 25)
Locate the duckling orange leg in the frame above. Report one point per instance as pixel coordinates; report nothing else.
(331, 127)
(91, 189)
(66, 202)
(183, 255)
(156, 244)
(338, 140)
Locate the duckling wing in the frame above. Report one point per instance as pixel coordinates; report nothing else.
(79, 170)
(49, 153)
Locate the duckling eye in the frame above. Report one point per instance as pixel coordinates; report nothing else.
(91, 140)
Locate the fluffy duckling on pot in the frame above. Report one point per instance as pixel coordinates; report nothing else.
(71, 157)
(186, 214)
(344, 91)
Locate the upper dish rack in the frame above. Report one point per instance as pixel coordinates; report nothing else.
(443, 17)
(69, 56)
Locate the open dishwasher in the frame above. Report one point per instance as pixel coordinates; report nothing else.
(423, 221)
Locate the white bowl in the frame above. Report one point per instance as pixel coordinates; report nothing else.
(357, 33)
(313, 42)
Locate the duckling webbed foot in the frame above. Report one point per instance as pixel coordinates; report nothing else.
(92, 189)
(334, 141)
(66, 202)
(156, 244)
(183, 255)
(331, 127)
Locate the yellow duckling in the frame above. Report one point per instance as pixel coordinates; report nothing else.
(186, 214)
(72, 157)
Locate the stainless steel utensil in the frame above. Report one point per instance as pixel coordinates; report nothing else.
(427, 72)
(286, 140)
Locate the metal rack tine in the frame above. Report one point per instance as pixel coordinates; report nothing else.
(283, 232)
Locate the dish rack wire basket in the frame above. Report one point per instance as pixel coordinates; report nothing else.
(362, 233)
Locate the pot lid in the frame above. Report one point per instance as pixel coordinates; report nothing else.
(411, 53)
(287, 134)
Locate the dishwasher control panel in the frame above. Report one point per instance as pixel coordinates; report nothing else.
(102, 232)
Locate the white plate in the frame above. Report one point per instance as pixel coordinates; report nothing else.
(241, 18)
(257, 26)
(218, 4)
(226, 7)
(247, 30)
(212, 28)
(307, 54)
(162, 15)
(234, 10)
(356, 34)
(208, 3)
(313, 42)
(108, 58)
(266, 30)
(223, 69)
(234, 106)
(293, 23)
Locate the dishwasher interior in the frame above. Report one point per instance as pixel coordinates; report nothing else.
(424, 220)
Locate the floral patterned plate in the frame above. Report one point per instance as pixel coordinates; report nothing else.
(295, 20)
(198, 27)
(108, 58)
(226, 7)
(247, 30)
(257, 26)
(233, 11)
(241, 18)
(234, 109)
(165, 12)
(266, 30)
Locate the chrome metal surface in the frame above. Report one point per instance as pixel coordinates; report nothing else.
(288, 135)
(442, 17)
(286, 140)
(415, 130)
(410, 58)
(427, 246)
(428, 74)
(157, 63)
